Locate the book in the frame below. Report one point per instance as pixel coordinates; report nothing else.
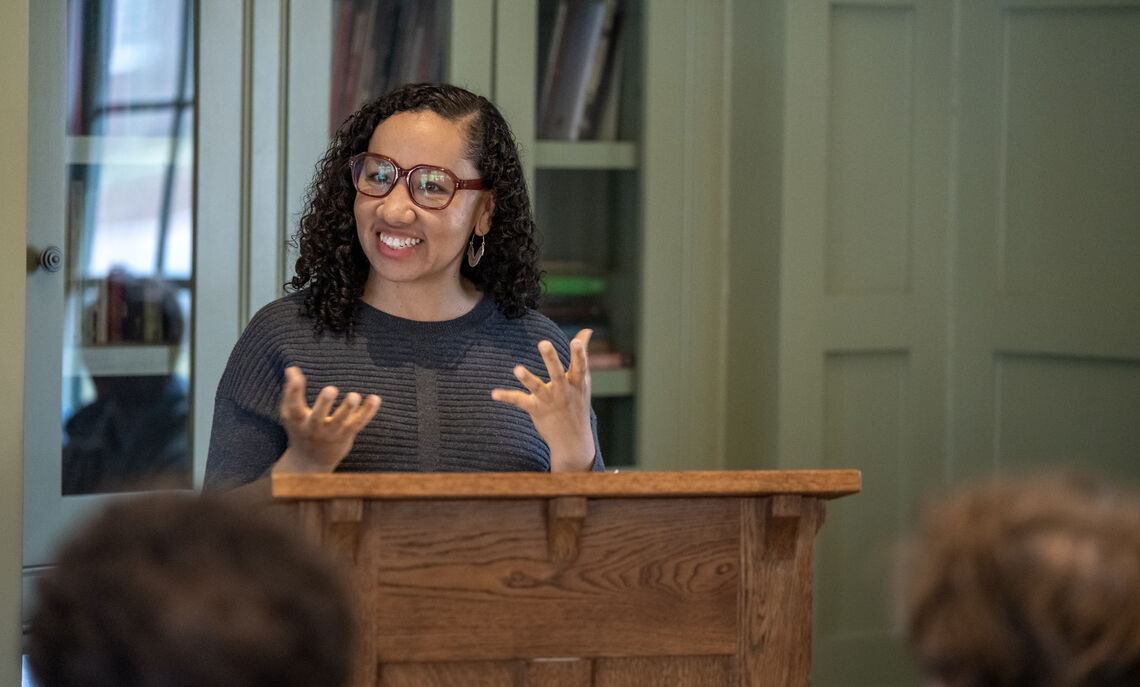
(605, 118)
(116, 307)
(153, 329)
(569, 67)
(338, 83)
(384, 46)
(381, 44)
(363, 15)
(602, 74)
(574, 285)
(546, 91)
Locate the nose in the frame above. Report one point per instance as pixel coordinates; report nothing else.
(397, 208)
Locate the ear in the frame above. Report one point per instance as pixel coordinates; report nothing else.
(483, 213)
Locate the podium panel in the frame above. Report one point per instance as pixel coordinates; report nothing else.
(595, 579)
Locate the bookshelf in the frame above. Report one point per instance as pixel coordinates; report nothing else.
(129, 360)
(381, 43)
(588, 190)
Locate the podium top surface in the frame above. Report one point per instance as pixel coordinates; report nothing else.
(826, 484)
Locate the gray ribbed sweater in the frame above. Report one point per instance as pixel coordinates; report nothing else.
(434, 380)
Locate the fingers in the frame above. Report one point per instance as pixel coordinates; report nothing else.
(293, 404)
(353, 413)
(531, 381)
(364, 413)
(550, 357)
(323, 405)
(579, 364)
(346, 408)
(514, 397)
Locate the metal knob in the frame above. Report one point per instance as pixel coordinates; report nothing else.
(50, 259)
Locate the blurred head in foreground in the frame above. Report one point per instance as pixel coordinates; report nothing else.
(1026, 583)
(177, 591)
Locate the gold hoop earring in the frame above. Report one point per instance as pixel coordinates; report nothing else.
(474, 256)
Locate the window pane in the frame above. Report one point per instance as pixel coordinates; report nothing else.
(129, 246)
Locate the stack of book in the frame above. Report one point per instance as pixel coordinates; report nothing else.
(381, 44)
(576, 302)
(131, 310)
(579, 90)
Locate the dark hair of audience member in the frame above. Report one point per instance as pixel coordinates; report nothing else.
(180, 591)
(1026, 582)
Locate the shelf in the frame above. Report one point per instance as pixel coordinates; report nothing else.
(586, 155)
(606, 383)
(129, 360)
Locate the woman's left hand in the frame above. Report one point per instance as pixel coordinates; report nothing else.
(560, 408)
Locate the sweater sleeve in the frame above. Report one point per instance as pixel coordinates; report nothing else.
(599, 464)
(246, 438)
(243, 446)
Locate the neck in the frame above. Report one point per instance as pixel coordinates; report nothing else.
(420, 302)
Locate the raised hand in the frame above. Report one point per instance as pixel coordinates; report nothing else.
(560, 408)
(318, 440)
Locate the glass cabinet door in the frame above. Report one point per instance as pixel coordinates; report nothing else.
(127, 250)
(111, 264)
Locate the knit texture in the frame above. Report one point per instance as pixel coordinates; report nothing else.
(434, 380)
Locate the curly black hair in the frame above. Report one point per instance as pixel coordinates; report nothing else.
(173, 589)
(332, 263)
(1029, 579)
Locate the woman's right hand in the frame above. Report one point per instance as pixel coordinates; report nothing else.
(318, 440)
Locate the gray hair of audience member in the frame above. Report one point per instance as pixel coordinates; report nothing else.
(170, 590)
(1026, 582)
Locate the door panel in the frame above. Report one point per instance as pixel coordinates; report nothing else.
(863, 291)
(1048, 287)
(958, 283)
(116, 184)
(108, 334)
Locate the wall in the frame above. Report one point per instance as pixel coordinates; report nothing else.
(755, 172)
(933, 267)
(13, 230)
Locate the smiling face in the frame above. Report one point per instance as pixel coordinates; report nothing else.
(415, 253)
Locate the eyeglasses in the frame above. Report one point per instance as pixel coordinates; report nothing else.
(429, 187)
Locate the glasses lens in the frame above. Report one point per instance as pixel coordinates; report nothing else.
(432, 188)
(375, 176)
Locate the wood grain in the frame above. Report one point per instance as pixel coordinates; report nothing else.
(493, 485)
(564, 516)
(474, 579)
(691, 578)
(560, 673)
(690, 671)
(776, 592)
(455, 674)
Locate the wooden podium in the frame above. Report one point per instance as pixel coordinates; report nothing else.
(529, 579)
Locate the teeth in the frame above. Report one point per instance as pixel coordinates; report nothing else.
(398, 243)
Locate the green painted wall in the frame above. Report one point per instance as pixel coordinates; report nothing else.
(13, 231)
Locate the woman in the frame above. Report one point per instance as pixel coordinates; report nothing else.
(416, 285)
